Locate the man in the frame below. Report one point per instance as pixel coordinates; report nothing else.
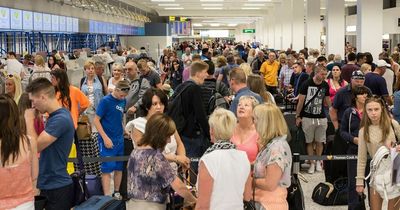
(195, 135)
(257, 62)
(149, 74)
(286, 72)
(361, 59)
(75, 55)
(337, 60)
(350, 67)
(298, 78)
(186, 71)
(187, 57)
(239, 87)
(13, 66)
(343, 98)
(321, 61)
(137, 88)
(269, 70)
(108, 122)
(205, 54)
(376, 83)
(310, 114)
(54, 145)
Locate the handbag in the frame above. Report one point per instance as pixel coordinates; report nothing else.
(361, 203)
(251, 204)
(84, 130)
(295, 196)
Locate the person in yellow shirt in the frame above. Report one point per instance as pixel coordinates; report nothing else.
(269, 70)
(72, 99)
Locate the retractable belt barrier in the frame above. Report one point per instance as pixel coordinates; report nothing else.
(112, 159)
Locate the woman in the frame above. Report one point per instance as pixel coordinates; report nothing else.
(349, 128)
(175, 74)
(274, 161)
(24, 104)
(245, 135)
(335, 81)
(376, 131)
(40, 69)
(149, 173)
(224, 172)
(52, 63)
(246, 68)
(93, 90)
(222, 64)
(256, 84)
(165, 66)
(18, 160)
(13, 87)
(154, 101)
(117, 75)
(365, 68)
(252, 55)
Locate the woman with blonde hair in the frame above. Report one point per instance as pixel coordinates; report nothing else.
(117, 75)
(245, 135)
(251, 56)
(224, 172)
(40, 69)
(246, 68)
(13, 87)
(274, 161)
(377, 129)
(257, 85)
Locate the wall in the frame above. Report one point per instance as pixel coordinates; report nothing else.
(248, 37)
(50, 7)
(155, 44)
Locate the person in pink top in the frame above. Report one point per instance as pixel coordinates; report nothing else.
(18, 160)
(335, 81)
(245, 135)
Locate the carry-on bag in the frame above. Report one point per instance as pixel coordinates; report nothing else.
(102, 203)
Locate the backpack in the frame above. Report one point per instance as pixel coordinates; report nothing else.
(175, 107)
(381, 174)
(216, 100)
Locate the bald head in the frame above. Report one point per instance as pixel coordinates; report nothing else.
(131, 70)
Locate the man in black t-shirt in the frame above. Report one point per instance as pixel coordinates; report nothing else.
(376, 83)
(313, 94)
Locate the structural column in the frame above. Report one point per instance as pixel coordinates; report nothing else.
(278, 27)
(298, 25)
(313, 34)
(286, 17)
(335, 30)
(271, 30)
(370, 26)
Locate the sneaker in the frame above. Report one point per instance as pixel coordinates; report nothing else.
(117, 196)
(318, 166)
(311, 170)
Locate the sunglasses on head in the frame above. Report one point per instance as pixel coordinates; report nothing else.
(123, 89)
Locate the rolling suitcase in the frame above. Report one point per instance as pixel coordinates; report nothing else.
(102, 203)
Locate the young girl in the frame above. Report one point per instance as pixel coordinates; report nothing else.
(376, 130)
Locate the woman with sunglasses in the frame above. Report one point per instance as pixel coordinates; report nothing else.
(377, 129)
(335, 81)
(175, 74)
(18, 160)
(52, 62)
(13, 87)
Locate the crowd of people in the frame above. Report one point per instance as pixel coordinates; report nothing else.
(214, 109)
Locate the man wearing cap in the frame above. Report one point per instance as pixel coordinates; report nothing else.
(376, 83)
(343, 98)
(108, 122)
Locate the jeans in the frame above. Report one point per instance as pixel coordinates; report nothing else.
(59, 199)
(352, 196)
(195, 148)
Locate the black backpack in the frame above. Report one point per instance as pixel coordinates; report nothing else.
(216, 100)
(175, 106)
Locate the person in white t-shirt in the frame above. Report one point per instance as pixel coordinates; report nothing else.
(14, 67)
(224, 172)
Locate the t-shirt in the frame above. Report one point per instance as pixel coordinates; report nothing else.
(111, 111)
(149, 176)
(53, 159)
(153, 78)
(347, 70)
(229, 169)
(270, 72)
(14, 67)
(314, 109)
(376, 83)
(389, 78)
(250, 146)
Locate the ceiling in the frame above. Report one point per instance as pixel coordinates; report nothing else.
(216, 13)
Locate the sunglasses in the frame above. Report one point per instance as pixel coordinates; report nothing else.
(123, 89)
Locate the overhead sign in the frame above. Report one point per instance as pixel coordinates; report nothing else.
(249, 31)
(16, 19)
(180, 19)
(4, 18)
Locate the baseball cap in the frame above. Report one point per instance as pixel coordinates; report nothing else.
(357, 75)
(382, 63)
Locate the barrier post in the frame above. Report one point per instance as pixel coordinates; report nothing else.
(296, 163)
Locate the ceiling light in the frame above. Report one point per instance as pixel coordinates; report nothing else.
(250, 8)
(209, 21)
(254, 5)
(173, 8)
(162, 0)
(259, 0)
(232, 24)
(169, 5)
(215, 24)
(197, 24)
(212, 0)
(211, 5)
(212, 8)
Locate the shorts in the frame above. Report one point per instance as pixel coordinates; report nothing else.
(314, 129)
(117, 150)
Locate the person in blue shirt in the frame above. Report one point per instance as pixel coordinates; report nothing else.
(54, 145)
(108, 122)
(239, 86)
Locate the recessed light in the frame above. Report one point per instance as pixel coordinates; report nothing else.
(254, 5)
(197, 24)
(169, 5)
(211, 5)
(173, 8)
(259, 0)
(212, 8)
(232, 25)
(250, 8)
(163, 0)
(211, 0)
(215, 24)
